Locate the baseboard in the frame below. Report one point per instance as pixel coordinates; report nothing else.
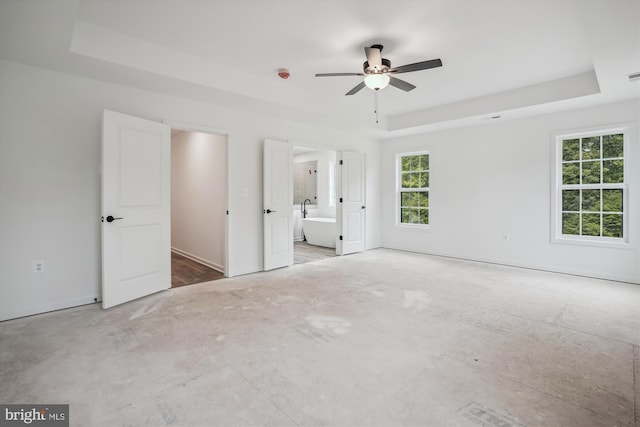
(199, 260)
(529, 266)
(60, 305)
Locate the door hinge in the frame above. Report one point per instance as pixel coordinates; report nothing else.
(340, 199)
(340, 237)
(340, 162)
(227, 212)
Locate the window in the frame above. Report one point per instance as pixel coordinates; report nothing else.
(592, 191)
(413, 189)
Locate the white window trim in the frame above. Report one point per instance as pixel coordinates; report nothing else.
(399, 157)
(629, 206)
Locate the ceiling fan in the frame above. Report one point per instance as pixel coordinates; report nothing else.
(377, 71)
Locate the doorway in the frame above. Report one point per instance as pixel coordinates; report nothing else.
(314, 196)
(198, 206)
(349, 224)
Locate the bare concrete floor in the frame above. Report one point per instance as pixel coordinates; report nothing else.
(380, 338)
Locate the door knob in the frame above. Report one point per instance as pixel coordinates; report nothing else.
(111, 218)
(269, 211)
(364, 207)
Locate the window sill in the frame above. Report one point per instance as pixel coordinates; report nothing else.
(414, 226)
(599, 243)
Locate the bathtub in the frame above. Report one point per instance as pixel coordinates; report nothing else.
(320, 231)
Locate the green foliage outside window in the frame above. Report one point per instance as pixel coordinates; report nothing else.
(414, 189)
(613, 171)
(591, 172)
(591, 166)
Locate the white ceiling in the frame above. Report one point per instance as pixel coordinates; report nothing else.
(508, 58)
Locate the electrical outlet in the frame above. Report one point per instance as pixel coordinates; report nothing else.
(38, 266)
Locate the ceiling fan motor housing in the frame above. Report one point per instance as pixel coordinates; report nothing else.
(386, 65)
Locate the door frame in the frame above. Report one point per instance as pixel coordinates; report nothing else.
(192, 127)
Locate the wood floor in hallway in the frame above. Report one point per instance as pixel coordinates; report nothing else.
(185, 271)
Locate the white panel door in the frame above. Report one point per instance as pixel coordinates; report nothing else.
(136, 227)
(351, 206)
(278, 204)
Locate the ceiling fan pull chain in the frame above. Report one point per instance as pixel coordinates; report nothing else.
(375, 104)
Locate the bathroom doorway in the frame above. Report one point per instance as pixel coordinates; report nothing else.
(198, 206)
(314, 203)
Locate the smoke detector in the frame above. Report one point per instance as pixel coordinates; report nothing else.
(284, 73)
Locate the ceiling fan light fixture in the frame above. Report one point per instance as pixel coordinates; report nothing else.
(377, 81)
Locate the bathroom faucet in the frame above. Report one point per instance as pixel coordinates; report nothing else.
(304, 208)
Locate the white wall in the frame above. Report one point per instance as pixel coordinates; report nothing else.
(494, 179)
(199, 196)
(50, 130)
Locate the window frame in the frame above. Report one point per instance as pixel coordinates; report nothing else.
(557, 187)
(400, 190)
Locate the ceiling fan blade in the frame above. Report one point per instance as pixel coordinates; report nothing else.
(355, 89)
(424, 65)
(338, 74)
(374, 57)
(401, 84)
